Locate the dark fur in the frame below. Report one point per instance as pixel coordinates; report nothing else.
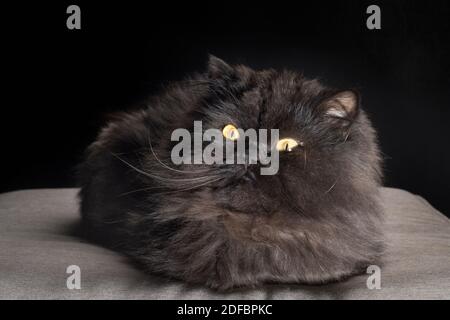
(317, 220)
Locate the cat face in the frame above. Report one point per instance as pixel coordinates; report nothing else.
(321, 132)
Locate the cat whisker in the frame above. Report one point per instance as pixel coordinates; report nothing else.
(160, 178)
(304, 156)
(192, 188)
(163, 164)
(174, 191)
(331, 188)
(184, 187)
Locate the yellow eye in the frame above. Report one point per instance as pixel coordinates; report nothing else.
(286, 144)
(230, 132)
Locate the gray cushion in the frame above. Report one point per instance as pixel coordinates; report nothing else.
(37, 243)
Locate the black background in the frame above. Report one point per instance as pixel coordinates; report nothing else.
(61, 83)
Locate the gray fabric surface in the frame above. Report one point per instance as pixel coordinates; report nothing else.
(37, 243)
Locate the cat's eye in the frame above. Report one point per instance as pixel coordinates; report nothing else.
(230, 132)
(286, 144)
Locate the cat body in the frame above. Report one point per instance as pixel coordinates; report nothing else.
(317, 220)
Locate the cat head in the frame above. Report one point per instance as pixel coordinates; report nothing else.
(328, 146)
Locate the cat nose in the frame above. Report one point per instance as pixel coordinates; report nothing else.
(249, 175)
(248, 161)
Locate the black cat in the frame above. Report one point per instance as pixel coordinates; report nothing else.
(317, 220)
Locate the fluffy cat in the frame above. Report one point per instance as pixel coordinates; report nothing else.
(317, 220)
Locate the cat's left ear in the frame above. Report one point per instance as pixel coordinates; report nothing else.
(219, 69)
(342, 105)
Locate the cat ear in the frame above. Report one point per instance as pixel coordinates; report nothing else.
(342, 105)
(217, 68)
